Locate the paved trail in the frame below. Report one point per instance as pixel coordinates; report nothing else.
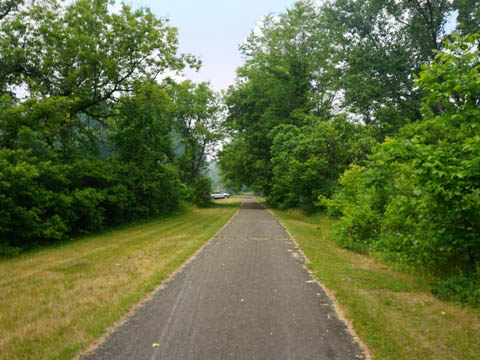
(245, 296)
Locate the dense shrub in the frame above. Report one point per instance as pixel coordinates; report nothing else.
(358, 203)
(459, 288)
(42, 201)
(28, 200)
(156, 189)
(405, 205)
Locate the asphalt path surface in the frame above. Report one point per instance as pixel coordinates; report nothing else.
(246, 295)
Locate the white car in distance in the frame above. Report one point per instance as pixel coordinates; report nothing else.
(219, 195)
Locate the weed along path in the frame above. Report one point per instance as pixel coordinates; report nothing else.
(247, 295)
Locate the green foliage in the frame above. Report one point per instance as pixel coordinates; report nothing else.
(90, 143)
(196, 114)
(8, 7)
(378, 60)
(73, 62)
(381, 43)
(417, 200)
(285, 78)
(468, 15)
(308, 161)
(459, 288)
(141, 127)
(351, 183)
(198, 193)
(43, 201)
(318, 60)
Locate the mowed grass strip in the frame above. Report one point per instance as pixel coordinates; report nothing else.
(56, 301)
(392, 312)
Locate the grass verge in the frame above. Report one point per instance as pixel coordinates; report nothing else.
(54, 302)
(392, 312)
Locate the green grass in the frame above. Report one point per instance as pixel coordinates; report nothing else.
(392, 312)
(55, 302)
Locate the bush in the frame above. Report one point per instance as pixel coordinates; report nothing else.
(199, 192)
(29, 201)
(156, 188)
(460, 288)
(405, 205)
(352, 182)
(42, 201)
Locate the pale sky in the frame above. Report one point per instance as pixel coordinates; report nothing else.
(213, 30)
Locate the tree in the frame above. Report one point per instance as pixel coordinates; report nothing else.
(288, 74)
(236, 163)
(74, 63)
(8, 7)
(142, 126)
(87, 143)
(468, 15)
(383, 43)
(196, 115)
(308, 161)
(417, 200)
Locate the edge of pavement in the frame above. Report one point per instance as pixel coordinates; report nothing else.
(108, 332)
(336, 306)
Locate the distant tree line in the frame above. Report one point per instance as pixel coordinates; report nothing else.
(93, 132)
(370, 110)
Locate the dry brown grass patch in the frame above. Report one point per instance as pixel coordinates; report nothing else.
(55, 301)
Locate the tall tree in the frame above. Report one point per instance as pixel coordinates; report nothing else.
(196, 115)
(288, 74)
(75, 61)
(383, 43)
(141, 127)
(9, 6)
(468, 15)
